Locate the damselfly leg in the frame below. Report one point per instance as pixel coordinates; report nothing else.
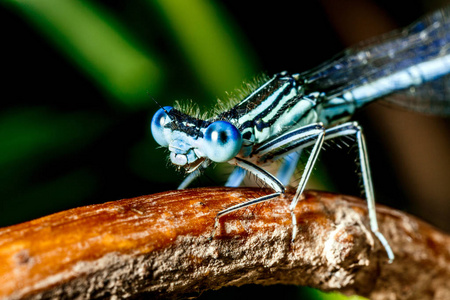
(289, 142)
(189, 179)
(284, 175)
(352, 128)
(293, 142)
(234, 180)
(193, 175)
(236, 177)
(263, 175)
(288, 167)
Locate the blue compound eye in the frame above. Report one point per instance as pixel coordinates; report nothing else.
(158, 121)
(222, 141)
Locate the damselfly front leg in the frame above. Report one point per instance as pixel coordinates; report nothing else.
(193, 175)
(290, 142)
(288, 167)
(284, 175)
(263, 175)
(236, 177)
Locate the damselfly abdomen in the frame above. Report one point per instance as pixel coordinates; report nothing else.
(290, 112)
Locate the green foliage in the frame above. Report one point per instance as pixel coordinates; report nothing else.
(208, 41)
(97, 44)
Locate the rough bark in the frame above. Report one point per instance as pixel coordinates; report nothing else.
(161, 246)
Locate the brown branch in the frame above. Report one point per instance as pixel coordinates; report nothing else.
(160, 246)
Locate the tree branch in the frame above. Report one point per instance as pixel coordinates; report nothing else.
(161, 246)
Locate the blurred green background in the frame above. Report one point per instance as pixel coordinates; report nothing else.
(79, 78)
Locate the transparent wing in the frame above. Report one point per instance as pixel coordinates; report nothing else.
(424, 40)
(430, 98)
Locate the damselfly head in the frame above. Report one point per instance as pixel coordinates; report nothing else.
(191, 141)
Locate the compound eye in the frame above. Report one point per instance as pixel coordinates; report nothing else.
(222, 141)
(159, 120)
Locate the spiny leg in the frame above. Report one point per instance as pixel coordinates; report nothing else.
(275, 149)
(188, 180)
(314, 134)
(192, 176)
(234, 180)
(304, 179)
(236, 177)
(288, 167)
(351, 128)
(291, 143)
(262, 174)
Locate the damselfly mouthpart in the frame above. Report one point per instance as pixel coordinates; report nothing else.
(290, 112)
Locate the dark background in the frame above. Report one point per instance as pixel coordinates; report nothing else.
(67, 141)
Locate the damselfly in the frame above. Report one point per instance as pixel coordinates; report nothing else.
(290, 112)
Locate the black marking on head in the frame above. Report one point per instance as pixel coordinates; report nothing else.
(187, 124)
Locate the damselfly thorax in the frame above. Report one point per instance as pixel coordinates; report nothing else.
(290, 112)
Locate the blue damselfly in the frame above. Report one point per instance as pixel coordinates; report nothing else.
(289, 112)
